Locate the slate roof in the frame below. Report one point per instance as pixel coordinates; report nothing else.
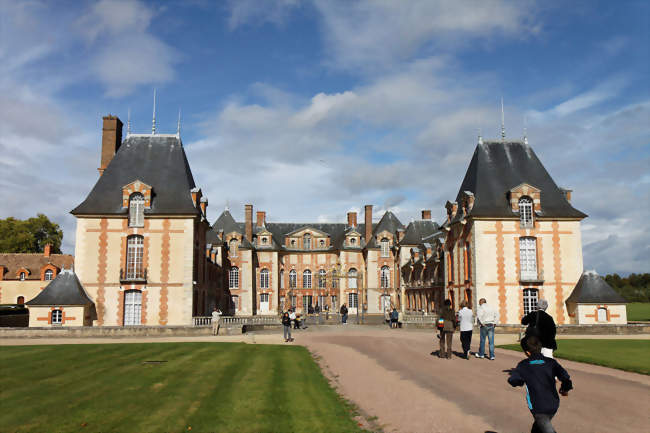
(418, 231)
(227, 223)
(497, 167)
(158, 161)
(12, 262)
(593, 289)
(65, 289)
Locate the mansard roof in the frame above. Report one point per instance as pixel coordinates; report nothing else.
(497, 167)
(593, 289)
(157, 160)
(418, 231)
(65, 289)
(227, 223)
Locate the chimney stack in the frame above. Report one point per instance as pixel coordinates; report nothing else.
(261, 219)
(46, 250)
(111, 140)
(204, 206)
(249, 222)
(352, 219)
(426, 214)
(368, 218)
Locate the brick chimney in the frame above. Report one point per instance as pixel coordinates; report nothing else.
(111, 140)
(426, 214)
(352, 219)
(204, 206)
(46, 250)
(249, 221)
(368, 220)
(261, 219)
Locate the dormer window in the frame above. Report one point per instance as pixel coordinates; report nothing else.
(526, 212)
(306, 241)
(321, 243)
(293, 243)
(385, 247)
(23, 276)
(136, 210)
(49, 274)
(265, 240)
(353, 241)
(233, 247)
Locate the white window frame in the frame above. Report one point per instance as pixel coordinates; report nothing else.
(134, 257)
(233, 278)
(282, 279)
(233, 247)
(385, 247)
(136, 210)
(234, 300)
(264, 299)
(294, 301)
(264, 278)
(598, 313)
(293, 279)
(306, 279)
(306, 241)
(322, 301)
(334, 302)
(322, 279)
(528, 258)
(48, 275)
(531, 297)
(352, 278)
(307, 300)
(57, 316)
(385, 277)
(132, 307)
(353, 300)
(23, 275)
(526, 212)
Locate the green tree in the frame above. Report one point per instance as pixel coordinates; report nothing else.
(30, 235)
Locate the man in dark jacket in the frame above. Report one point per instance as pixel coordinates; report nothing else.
(541, 325)
(447, 332)
(538, 374)
(344, 314)
(286, 325)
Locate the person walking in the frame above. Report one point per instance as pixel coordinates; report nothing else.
(541, 325)
(216, 317)
(538, 374)
(286, 325)
(344, 314)
(447, 331)
(393, 318)
(466, 318)
(487, 320)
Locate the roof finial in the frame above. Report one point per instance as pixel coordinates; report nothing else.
(178, 127)
(227, 205)
(128, 123)
(503, 122)
(525, 130)
(153, 122)
(480, 137)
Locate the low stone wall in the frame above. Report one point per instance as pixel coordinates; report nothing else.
(105, 331)
(629, 329)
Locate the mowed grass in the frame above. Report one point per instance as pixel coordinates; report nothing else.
(629, 355)
(638, 311)
(202, 387)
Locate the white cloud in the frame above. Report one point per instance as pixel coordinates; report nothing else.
(272, 11)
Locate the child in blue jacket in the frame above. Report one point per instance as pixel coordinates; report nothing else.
(537, 374)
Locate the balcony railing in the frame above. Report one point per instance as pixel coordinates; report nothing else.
(133, 275)
(531, 276)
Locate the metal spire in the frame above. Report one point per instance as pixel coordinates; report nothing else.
(178, 127)
(480, 137)
(128, 123)
(227, 205)
(153, 122)
(503, 122)
(525, 130)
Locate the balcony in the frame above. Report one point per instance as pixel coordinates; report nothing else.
(531, 276)
(137, 275)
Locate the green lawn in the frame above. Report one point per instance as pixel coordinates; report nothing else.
(202, 387)
(638, 311)
(630, 355)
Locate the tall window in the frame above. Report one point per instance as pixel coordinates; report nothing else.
(136, 210)
(530, 300)
(22, 276)
(385, 247)
(322, 279)
(385, 277)
(353, 300)
(134, 253)
(282, 279)
(602, 314)
(468, 262)
(526, 212)
(306, 241)
(335, 304)
(57, 317)
(306, 279)
(234, 249)
(306, 302)
(352, 278)
(322, 300)
(233, 280)
(133, 307)
(294, 301)
(264, 279)
(528, 258)
(234, 302)
(293, 279)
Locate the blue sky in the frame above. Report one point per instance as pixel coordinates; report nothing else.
(309, 109)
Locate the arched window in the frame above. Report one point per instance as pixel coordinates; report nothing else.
(530, 300)
(352, 278)
(233, 280)
(136, 210)
(526, 212)
(23, 276)
(385, 277)
(20, 300)
(293, 279)
(306, 241)
(134, 253)
(306, 279)
(282, 279)
(57, 317)
(322, 279)
(48, 275)
(264, 279)
(233, 247)
(385, 247)
(602, 314)
(353, 241)
(321, 243)
(528, 259)
(293, 242)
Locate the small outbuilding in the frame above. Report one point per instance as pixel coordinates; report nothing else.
(593, 301)
(63, 302)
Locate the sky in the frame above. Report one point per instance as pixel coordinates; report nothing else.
(310, 109)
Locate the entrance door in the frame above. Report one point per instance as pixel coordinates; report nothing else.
(264, 302)
(132, 307)
(385, 303)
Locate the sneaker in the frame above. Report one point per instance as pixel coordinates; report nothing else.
(492, 358)
(479, 356)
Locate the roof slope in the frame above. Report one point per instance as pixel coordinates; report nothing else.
(417, 231)
(65, 289)
(593, 289)
(497, 167)
(157, 160)
(33, 262)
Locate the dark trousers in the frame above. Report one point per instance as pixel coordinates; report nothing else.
(445, 335)
(466, 340)
(542, 423)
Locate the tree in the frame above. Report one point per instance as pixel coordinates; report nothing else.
(30, 235)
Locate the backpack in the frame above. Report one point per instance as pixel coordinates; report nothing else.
(441, 323)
